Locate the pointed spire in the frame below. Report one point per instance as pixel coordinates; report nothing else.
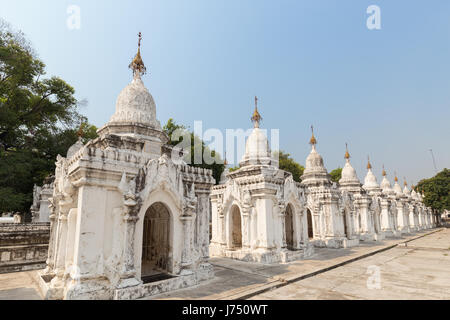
(384, 172)
(369, 166)
(405, 183)
(395, 179)
(256, 118)
(137, 65)
(313, 140)
(80, 132)
(347, 154)
(225, 163)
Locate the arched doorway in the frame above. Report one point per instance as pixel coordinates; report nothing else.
(156, 241)
(289, 227)
(236, 228)
(310, 224)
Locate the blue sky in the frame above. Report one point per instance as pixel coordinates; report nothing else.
(385, 92)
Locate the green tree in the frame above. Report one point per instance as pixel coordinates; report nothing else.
(170, 127)
(288, 164)
(38, 119)
(336, 175)
(437, 191)
(217, 167)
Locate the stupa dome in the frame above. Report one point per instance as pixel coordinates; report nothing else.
(135, 104)
(257, 150)
(370, 182)
(348, 175)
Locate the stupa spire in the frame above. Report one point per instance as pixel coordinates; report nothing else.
(256, 117)
(137, 65)
(384, 172)
(347, 154)
(80, 132)
(313, 140)
(369, 165)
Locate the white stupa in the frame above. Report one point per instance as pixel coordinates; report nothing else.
(397, 189)
(370, 182)
(349, 179)
(406, 191)
(315, 171)
(135, 114)
(257, 150)
(385, 185)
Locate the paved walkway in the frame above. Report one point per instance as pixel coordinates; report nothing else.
(18, 286)
(244, 280)
(330, 270)
(419, 270)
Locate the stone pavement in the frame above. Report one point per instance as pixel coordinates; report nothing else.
(244, 280)
(18, 286)
(418, 270)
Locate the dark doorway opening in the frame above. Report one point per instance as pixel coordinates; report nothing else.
(156, 243)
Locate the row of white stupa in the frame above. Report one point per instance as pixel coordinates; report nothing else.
(371, 183)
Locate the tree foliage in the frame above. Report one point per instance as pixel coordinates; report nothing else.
(437, 191)
(39, 119)
(288, 164)
(336, 175)
(217, 167)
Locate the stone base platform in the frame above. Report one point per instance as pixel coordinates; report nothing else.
(405, 230)
(205, 272)
(101, 291)
(373, 236)
(392, 234)
(263, 255)
(367, 236)
(335, 242)
(380, 236)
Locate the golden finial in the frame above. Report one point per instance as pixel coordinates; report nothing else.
(369, 166)
(225, 163)
(80, 132)
(404, 182)
(395, 179)
(383, 172)
(313, 140)
(137, 65)
(347, 154)
(256, 118)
